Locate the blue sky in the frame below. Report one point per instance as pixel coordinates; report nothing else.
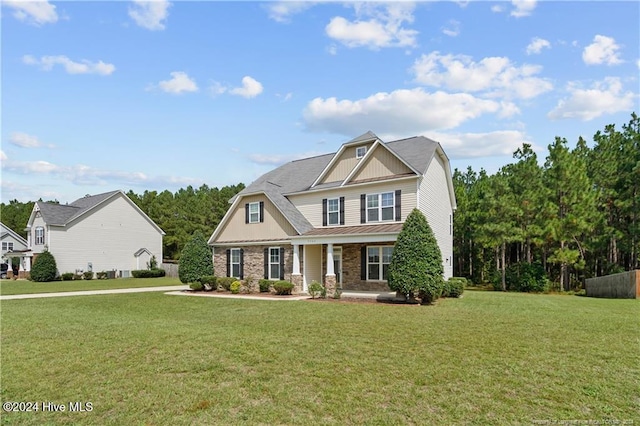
(98, 96)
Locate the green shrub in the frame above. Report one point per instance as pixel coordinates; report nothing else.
(197, 286)
(283, 288)
(416, 264)
(196, 259)
(264, 284)
(148, 273)
(102, 275)
(208, 282)
(453, 288)
(316, 289)
(67, 276)
(225, 282)
(77, 277)
(524, 277)
(44, 268)
(87, 275)
(235, 287)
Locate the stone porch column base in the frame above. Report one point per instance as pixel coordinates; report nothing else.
(296, 280)
(330, 285)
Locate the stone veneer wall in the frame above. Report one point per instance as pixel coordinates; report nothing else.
(254, 261)
(351, 268)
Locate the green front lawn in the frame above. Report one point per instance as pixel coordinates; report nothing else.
(8, 287)
(488, 358)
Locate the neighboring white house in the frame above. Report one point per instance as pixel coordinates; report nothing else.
(13, 245)
(335, 218)
(103, 232)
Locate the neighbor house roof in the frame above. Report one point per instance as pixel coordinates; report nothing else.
(63, 214)
(8, 231)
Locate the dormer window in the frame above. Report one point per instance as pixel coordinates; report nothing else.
(361, 151)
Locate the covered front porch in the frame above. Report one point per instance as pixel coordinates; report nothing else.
(19, 263)
(346, 258)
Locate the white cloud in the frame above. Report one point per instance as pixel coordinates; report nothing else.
(286, 97)
(250, 88)
(497, 76)
(536, 45)
(36, 12)
(452, 29)
(401, 111)
(3, 156)
(603, 50)
(24, 140)
(81, 174)
(475, 145)
(179, 83)
(281, 11)
(522, 8)
(377, 25)
(497, 8)
(83, 67)
(604, 97)
(150, 14)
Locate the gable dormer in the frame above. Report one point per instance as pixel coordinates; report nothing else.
(378, 164)
(346, 159)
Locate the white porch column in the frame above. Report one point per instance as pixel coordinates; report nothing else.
(296, 259)
(330, 270)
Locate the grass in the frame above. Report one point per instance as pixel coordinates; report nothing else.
(488, 358)
(9, 287)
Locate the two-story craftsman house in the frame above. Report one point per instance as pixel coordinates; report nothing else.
(335, 218)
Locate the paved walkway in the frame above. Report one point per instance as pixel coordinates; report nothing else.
(238, 296)
(92, 292)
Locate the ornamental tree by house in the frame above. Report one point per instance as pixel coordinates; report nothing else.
(44, 268)
(416, 264)
(196, 260)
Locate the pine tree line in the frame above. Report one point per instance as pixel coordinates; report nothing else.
(577, 214)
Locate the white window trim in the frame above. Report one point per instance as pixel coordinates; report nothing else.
(7, 246)
(361, 151)
(277, 249)
(39, 239)
(337, 211)
(231, 262)
(379, 207)
(380, 263)
(256, 213)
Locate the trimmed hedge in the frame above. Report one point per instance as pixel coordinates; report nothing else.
(44, 268)
(235, 287)
(67, 276)
(225, 282)
(148, 273)
(196, 259)
(283, 288)
(453, 288)
(264, 284)
(88, 275)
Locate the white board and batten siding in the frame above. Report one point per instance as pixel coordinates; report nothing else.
(434, 203)
(107, 237)
(310, 204)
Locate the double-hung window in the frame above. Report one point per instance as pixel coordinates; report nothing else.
(7, 246)
(254, 212)
(361, 151)
(378, 260)
(234, 262)
(39, 235)
(380, 207)
(274, 263)
(333, 211)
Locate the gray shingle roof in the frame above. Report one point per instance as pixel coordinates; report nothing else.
(62, 214)
(299, 175)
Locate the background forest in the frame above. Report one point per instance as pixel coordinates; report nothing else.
(573, 216)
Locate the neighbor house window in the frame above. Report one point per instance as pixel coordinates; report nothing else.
(274, 263)
(378, 260)
(361, 151)
(234, 262)
(7, 246)
(380, 207)
(39, 235)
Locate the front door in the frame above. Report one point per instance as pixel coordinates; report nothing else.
(337, 265)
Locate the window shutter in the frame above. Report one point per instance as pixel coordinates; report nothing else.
(266, 264)
(261, 211)
(341, 210)
(363, 208)
(363, 263)
(246, 213)
(228, 262)
(398, 205)
(282, 263)
(324, 212)
(241, 264)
